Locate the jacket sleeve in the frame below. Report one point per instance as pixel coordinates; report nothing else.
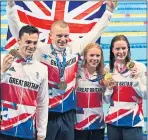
(107, 95)
(42, 107)
(139, 84)
(15, 25)
(4, 76)
(13, 20)
(96, 31)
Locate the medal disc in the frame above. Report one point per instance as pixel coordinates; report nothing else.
(130, 65)
(62, 85)
(14, 53)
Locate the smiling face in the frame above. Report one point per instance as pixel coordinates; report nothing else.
(93, 57)
(59, 36)
(120, 50)
(27, 44)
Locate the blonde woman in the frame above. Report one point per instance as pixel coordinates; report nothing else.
(89, 114)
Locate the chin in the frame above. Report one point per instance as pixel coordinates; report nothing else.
(121, 59)
(62, 46)
(94, 66)
(29, 54)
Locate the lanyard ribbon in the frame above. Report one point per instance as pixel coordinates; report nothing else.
(93, 80)
(61, 65)
(121, 70)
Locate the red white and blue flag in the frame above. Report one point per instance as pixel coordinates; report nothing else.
(80, 15)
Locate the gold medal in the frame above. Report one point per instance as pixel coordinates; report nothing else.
(62, 85)
(108, 76)
(130, 65)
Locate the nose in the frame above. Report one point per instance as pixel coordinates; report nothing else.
(120, 51)
(31, 45)
(95, 57)
(63, 38)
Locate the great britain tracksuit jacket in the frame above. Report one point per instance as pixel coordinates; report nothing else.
(24, 97)
(90, 99)
(61, 100)
(126, 98)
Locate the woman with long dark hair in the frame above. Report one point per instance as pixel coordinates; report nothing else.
(125, 93)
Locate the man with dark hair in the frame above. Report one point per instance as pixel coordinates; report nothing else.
(28, 29)
(24, 90)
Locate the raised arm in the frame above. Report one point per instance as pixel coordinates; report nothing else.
(99, 27)
(42, 108)
(13, 19)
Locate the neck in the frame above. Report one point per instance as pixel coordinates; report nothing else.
(122, 62)
(90, 70)
(120, 65)
(23, 56)
(57, 48)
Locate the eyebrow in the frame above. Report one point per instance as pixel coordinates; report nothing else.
(62, 34)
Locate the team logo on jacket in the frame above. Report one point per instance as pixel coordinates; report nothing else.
(11, 69)
(45, 56)
(37, 75)
(79, 77)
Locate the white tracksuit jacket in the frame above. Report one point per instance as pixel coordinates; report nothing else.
(90, 98)
(24, 96)
(126, 98)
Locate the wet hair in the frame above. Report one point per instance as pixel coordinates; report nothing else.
(112, 57)
(100, 67)
(28, 29)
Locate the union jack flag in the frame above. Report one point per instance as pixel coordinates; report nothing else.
(80, 15)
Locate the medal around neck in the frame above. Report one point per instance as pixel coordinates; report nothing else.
(130, 65)
(62, 85)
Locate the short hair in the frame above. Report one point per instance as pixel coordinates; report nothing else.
(60, 23)
(112, 57)
(100, 67)
(28, 29)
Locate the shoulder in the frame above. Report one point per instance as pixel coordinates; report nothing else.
(42, 47)
(40, 67)
(140, 65)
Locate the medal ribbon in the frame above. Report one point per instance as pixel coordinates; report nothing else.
(93, 80)
(121, 71)
(61, 65)
(21, 59)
